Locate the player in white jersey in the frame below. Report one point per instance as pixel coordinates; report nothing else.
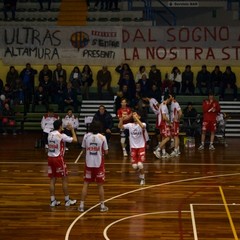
(176, 114)
(137, 143)
(95, 146)
(56, 166)
(164, 126)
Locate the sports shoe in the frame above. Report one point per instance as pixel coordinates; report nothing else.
(173, 154)
(125, 153)
(211, 147)
(104, 209)
(81, 209)
(157, 154)
(165, 155)
(70, 202)
(142, 182)
(201, 147)
(66, 149)
(55, 203)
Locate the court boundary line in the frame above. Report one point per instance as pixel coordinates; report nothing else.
(144, 188)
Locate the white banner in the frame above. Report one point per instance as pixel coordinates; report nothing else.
(98, 46)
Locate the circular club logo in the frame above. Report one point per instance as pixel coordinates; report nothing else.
(79, 40)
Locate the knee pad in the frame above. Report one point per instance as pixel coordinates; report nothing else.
(140, 165)
(135, 166)
(123, 139)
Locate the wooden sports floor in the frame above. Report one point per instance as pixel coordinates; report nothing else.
(194, 196)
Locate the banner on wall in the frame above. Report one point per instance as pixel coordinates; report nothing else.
(112, 46)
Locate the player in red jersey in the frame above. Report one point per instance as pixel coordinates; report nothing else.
(56, 166)
(211, 108)
(137, 143)
(126, 114)
(95, 145)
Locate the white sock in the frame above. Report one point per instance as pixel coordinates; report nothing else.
(52, 198)
(141, 176)
(66, 198)
(81, 204)
(102, 205)
(164, 151)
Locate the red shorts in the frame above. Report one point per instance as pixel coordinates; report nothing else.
(138, 155)
(57, 167)
(94, 174)
(175, 129)
(209, 126)
(165, 130)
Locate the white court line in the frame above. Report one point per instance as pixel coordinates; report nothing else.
(134, 216)
(144, 188)
(44, 162)
(193, 222)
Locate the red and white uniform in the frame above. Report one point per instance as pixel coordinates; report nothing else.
(137, 141)
(47, 122)
(175, 108)
(210, 112)
(124, 112)
(163, 125)
(56, 150)
(95, 145)
(73, 121)
(155, 106)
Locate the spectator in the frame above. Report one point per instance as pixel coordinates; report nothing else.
(203, 80)
(103, 2)
(115, 3)
(40, 98)
(1, 85)
(12, 76)
(176, 78)
(126, 80)
(211, 108)
(229, 81)
(187, 81)
(142, 70)
(8, 119)
(27, 76)
(191, 120)
(59, 72)
(76, 79)
(167, 85)
(59, 88)
(155, 93)
(87, 81)
(47, 85)
(216, 80)
(145, 85)
(124, 69)
(9, 5)
(106, 120)
(48, 2)
(69, 98)
(45, 71)
(18, 94)
(47, 124)
(104, 79)
(117, 101)
(155, 77)
(8, 93)
(70, 120)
